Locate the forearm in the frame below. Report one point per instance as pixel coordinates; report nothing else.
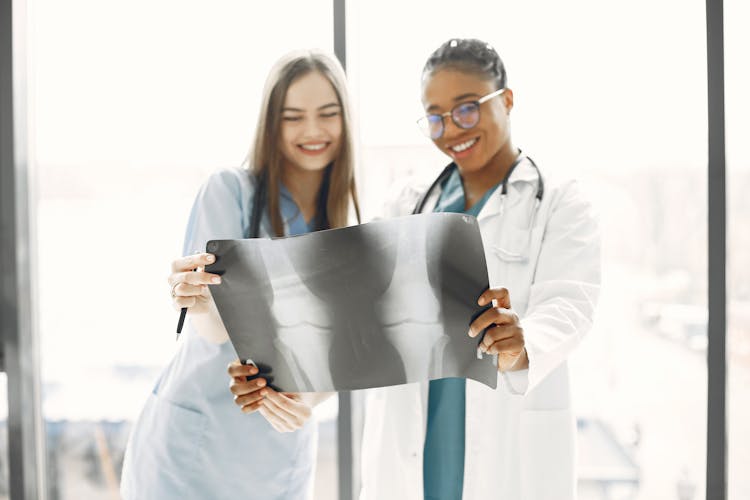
(522, 363)
(208, 324)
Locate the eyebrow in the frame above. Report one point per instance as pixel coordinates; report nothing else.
(455, 99)
(324, 106)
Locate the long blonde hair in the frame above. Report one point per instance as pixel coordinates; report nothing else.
(266, 158)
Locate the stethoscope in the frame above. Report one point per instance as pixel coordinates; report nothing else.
(507, 254)
(447, 171)
(261, 194)
(258, 203)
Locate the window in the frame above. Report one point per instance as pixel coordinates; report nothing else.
(132, 105)
(601, 94)
(737, 79)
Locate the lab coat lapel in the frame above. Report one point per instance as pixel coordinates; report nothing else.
(499, 203)
(493, 207)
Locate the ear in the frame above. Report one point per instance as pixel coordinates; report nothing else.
(507, 98)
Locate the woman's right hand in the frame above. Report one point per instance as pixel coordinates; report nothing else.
(189, 283)
(503, 331)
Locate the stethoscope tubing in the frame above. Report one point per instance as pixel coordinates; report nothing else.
(447, 171)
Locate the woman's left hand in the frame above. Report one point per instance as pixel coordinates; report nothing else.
(504, 335)
(285, 411)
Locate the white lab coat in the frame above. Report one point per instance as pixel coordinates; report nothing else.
(520, 437)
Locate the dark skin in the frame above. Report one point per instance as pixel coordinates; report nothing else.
(504, 335)
(484, 154)
(488, 160)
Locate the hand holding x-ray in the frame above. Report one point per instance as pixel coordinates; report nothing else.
(383, 303)
(500, 330)
(285, 411)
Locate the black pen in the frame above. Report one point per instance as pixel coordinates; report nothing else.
(181, 321)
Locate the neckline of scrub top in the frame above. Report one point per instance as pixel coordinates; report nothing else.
(292, 214)
(453, 197)
(444, 447)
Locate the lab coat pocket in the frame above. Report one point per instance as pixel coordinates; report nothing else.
(517, 245)
(512, 260)
(164, 451)
(512, 245)
(547, 455)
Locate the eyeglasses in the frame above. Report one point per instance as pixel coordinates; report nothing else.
(464, 115)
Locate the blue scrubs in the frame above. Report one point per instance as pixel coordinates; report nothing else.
(446, 404)
(191, 441)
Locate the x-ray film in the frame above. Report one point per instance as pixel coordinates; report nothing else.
(383, 303)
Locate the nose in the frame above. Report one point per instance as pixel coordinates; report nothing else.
(450, 129)
(313, 127)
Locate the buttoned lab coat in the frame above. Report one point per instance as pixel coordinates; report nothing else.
(520, 437)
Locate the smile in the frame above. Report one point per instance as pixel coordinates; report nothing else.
(313, 148)
(459, 148)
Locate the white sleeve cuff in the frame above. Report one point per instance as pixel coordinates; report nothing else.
(517, 382)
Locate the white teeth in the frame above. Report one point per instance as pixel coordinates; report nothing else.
(313, 147)
(463, 146)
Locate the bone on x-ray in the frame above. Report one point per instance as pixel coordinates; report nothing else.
(383, 303)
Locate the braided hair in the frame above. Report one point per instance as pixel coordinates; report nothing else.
(467, 55)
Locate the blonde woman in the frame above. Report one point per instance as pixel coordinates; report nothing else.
(190, 441)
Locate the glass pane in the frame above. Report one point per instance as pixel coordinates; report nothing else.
(604, 95)
(132, 105)
(737, 81)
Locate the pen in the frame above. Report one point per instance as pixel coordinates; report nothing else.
(181, 321)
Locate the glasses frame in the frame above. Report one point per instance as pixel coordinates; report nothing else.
(424, 122)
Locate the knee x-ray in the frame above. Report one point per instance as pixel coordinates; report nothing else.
(382, 303)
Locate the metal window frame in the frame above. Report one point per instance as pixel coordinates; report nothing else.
(716, 454)
(18, 330)
(17, 323)
(716, 432)
(350, 419)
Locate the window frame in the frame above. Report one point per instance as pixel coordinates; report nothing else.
(19, 354)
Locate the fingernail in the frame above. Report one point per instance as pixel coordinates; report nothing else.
(470, 333)
(210, 258)
(480, 301)
(261, 383)
(263, 393)
(216, 279)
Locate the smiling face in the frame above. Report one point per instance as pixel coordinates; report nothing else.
(475, 148)
(311, 123)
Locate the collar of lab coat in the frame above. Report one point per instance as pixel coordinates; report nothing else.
(523, 173)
